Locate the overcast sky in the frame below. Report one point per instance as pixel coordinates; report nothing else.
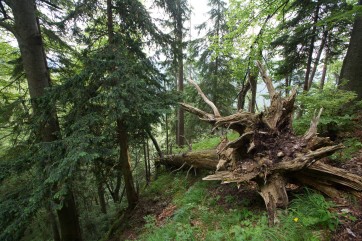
(198, 16)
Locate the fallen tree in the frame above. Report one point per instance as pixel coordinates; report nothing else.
(268, 152)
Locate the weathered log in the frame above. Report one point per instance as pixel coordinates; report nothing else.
(333, 176)
(318, 171)
(198, 159)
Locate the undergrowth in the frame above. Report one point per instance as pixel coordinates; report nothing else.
(199, 216)
(206, 143)
(352, 147)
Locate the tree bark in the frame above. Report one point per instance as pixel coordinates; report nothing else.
(53, 221)
(132, 195)
(155, 143)
(102, 200)
(311, 48)
(34, 62)
(316, 61)
(351, 68)
(253, 86)
(181, 123)
(26, 31)
(68, 220)
(242, 95)
(146, 160)
(287, 85)
(324, 71)
(97, 172)
(180, 75)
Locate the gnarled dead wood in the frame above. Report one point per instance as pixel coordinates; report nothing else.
(306, 160)
(275, 195)
(312, 131)
(317, 171)
(268, 152)
(267, 80)
(207, 101)
(200, 113)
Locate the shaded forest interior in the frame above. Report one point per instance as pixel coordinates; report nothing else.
(125, 120)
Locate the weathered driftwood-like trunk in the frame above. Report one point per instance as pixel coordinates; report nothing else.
(268, 152)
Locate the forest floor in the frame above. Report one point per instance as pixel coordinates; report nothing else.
(161, 212)
(350, 229)
(177, 206)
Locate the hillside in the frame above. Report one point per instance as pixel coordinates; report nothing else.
(178, 205)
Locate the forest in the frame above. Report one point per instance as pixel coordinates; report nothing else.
(130, 120)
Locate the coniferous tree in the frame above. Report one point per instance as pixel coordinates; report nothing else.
(351, 69)
(211, 65)
(177, 10)
(26, 30)
(308, 34)
(120, 83)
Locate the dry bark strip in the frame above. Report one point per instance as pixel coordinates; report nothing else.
(268, 152)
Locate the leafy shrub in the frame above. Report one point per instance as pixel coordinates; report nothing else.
(208, 142)
(334, 118)
(353, 145)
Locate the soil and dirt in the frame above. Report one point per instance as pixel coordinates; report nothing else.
(159, 207)
(350, 228)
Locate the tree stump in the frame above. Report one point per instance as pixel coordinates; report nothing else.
(268, 152)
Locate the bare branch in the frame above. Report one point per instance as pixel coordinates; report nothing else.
(8, 27)
(306, 160)
(200, 113)
(313, 125)
(267, 80)
(207, 101)
(51, 4)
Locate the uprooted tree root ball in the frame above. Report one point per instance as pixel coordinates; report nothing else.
(268, 152)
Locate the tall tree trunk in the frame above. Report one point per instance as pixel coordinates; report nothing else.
(26, 31)
(68, 220)
(145, 157)
(118, 185)
(180, 75)
(110, 28)
(100, 185)
(311, 48)
(132, 196)
(149, 162)
(102, 200)
(324, 71)
(53, 221)
(155, 143)
(242, 95)
(167, 137)
(253, 86)
(351, 68)
(320, 50)
(287, 85)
